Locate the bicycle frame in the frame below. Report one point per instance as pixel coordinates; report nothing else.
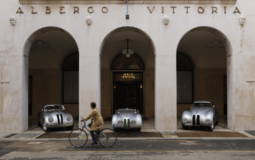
(103, 136)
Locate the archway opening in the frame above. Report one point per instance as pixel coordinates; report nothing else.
(127, 73)
(202, 71)
(53, 66)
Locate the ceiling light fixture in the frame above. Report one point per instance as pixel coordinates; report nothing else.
(127, 52)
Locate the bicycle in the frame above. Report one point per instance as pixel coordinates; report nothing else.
(106, 136)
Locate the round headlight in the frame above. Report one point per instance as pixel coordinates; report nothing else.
(185, 120)
(208, 120)
(68, 118)
(50, 119)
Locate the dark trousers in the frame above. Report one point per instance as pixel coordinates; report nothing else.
(94, 135)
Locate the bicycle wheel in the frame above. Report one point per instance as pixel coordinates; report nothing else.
(78, 138)
(107, 137)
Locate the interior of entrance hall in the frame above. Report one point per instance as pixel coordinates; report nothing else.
(53, 71)
(202, 71)
(127, 72)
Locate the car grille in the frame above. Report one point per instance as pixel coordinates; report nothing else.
(195, 120)
(126, 123)
(60, 119)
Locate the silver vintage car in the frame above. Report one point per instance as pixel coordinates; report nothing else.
(55, 116)
(202, 113)
(127, 119)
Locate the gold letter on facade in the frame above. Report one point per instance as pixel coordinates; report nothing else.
(214, 10)
(19, 11)
(76, 10)
(33, 11)
(225, 10)
(162, 9)
(47, 10)
(151, 10)
(237, 11)
(187, 9)
(61, 10)
(200, 10)
(90, 10)
(173, 9)
(105, 10)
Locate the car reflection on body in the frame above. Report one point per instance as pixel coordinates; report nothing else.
(55, 116)
(202, 113)
(127, 119)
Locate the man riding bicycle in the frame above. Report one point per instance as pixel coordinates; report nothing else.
(97, 122)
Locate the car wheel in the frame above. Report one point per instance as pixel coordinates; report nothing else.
(44, 127)
(184, 127)
(70, 128)
(138, 130)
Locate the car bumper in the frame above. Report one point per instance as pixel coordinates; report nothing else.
(55, 125)
(127, 125)
(201, 124)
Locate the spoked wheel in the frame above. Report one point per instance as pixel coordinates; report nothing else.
(107, 137)
(78, 138)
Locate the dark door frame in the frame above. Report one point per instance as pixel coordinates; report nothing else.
(138, 82)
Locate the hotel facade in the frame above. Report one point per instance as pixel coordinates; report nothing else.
(157, 56)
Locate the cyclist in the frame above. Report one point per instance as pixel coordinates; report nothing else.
(97, 122)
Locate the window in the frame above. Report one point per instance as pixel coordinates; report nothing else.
(71, 79)
(184, 79)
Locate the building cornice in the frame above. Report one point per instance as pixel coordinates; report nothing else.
(130, 1)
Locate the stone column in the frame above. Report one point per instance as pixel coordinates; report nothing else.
(89, 79)
(165, 92)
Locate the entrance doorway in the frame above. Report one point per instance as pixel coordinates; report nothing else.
(128, 82)
(128, 95)
(127, 72)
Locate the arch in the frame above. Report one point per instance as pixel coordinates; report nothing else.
(119, 29)
(208, 48)
(115, 64)
(217, 31)
(47, 49)
(32, 36)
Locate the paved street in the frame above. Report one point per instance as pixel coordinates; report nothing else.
(131, 149)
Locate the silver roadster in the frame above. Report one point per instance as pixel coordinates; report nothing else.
(202, 113)
(55, 116)
(127, 119)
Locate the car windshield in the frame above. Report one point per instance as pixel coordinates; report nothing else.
(54, 107)
(201, 105)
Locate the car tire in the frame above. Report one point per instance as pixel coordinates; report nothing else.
(138, 130)
(69, 128)
(184, 127)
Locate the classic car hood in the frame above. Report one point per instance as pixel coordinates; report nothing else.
(126, 114)
(201, 110)
(55, 112)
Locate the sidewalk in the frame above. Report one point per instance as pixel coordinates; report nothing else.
(146, 133)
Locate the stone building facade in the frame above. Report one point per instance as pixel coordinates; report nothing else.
(156, 56)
